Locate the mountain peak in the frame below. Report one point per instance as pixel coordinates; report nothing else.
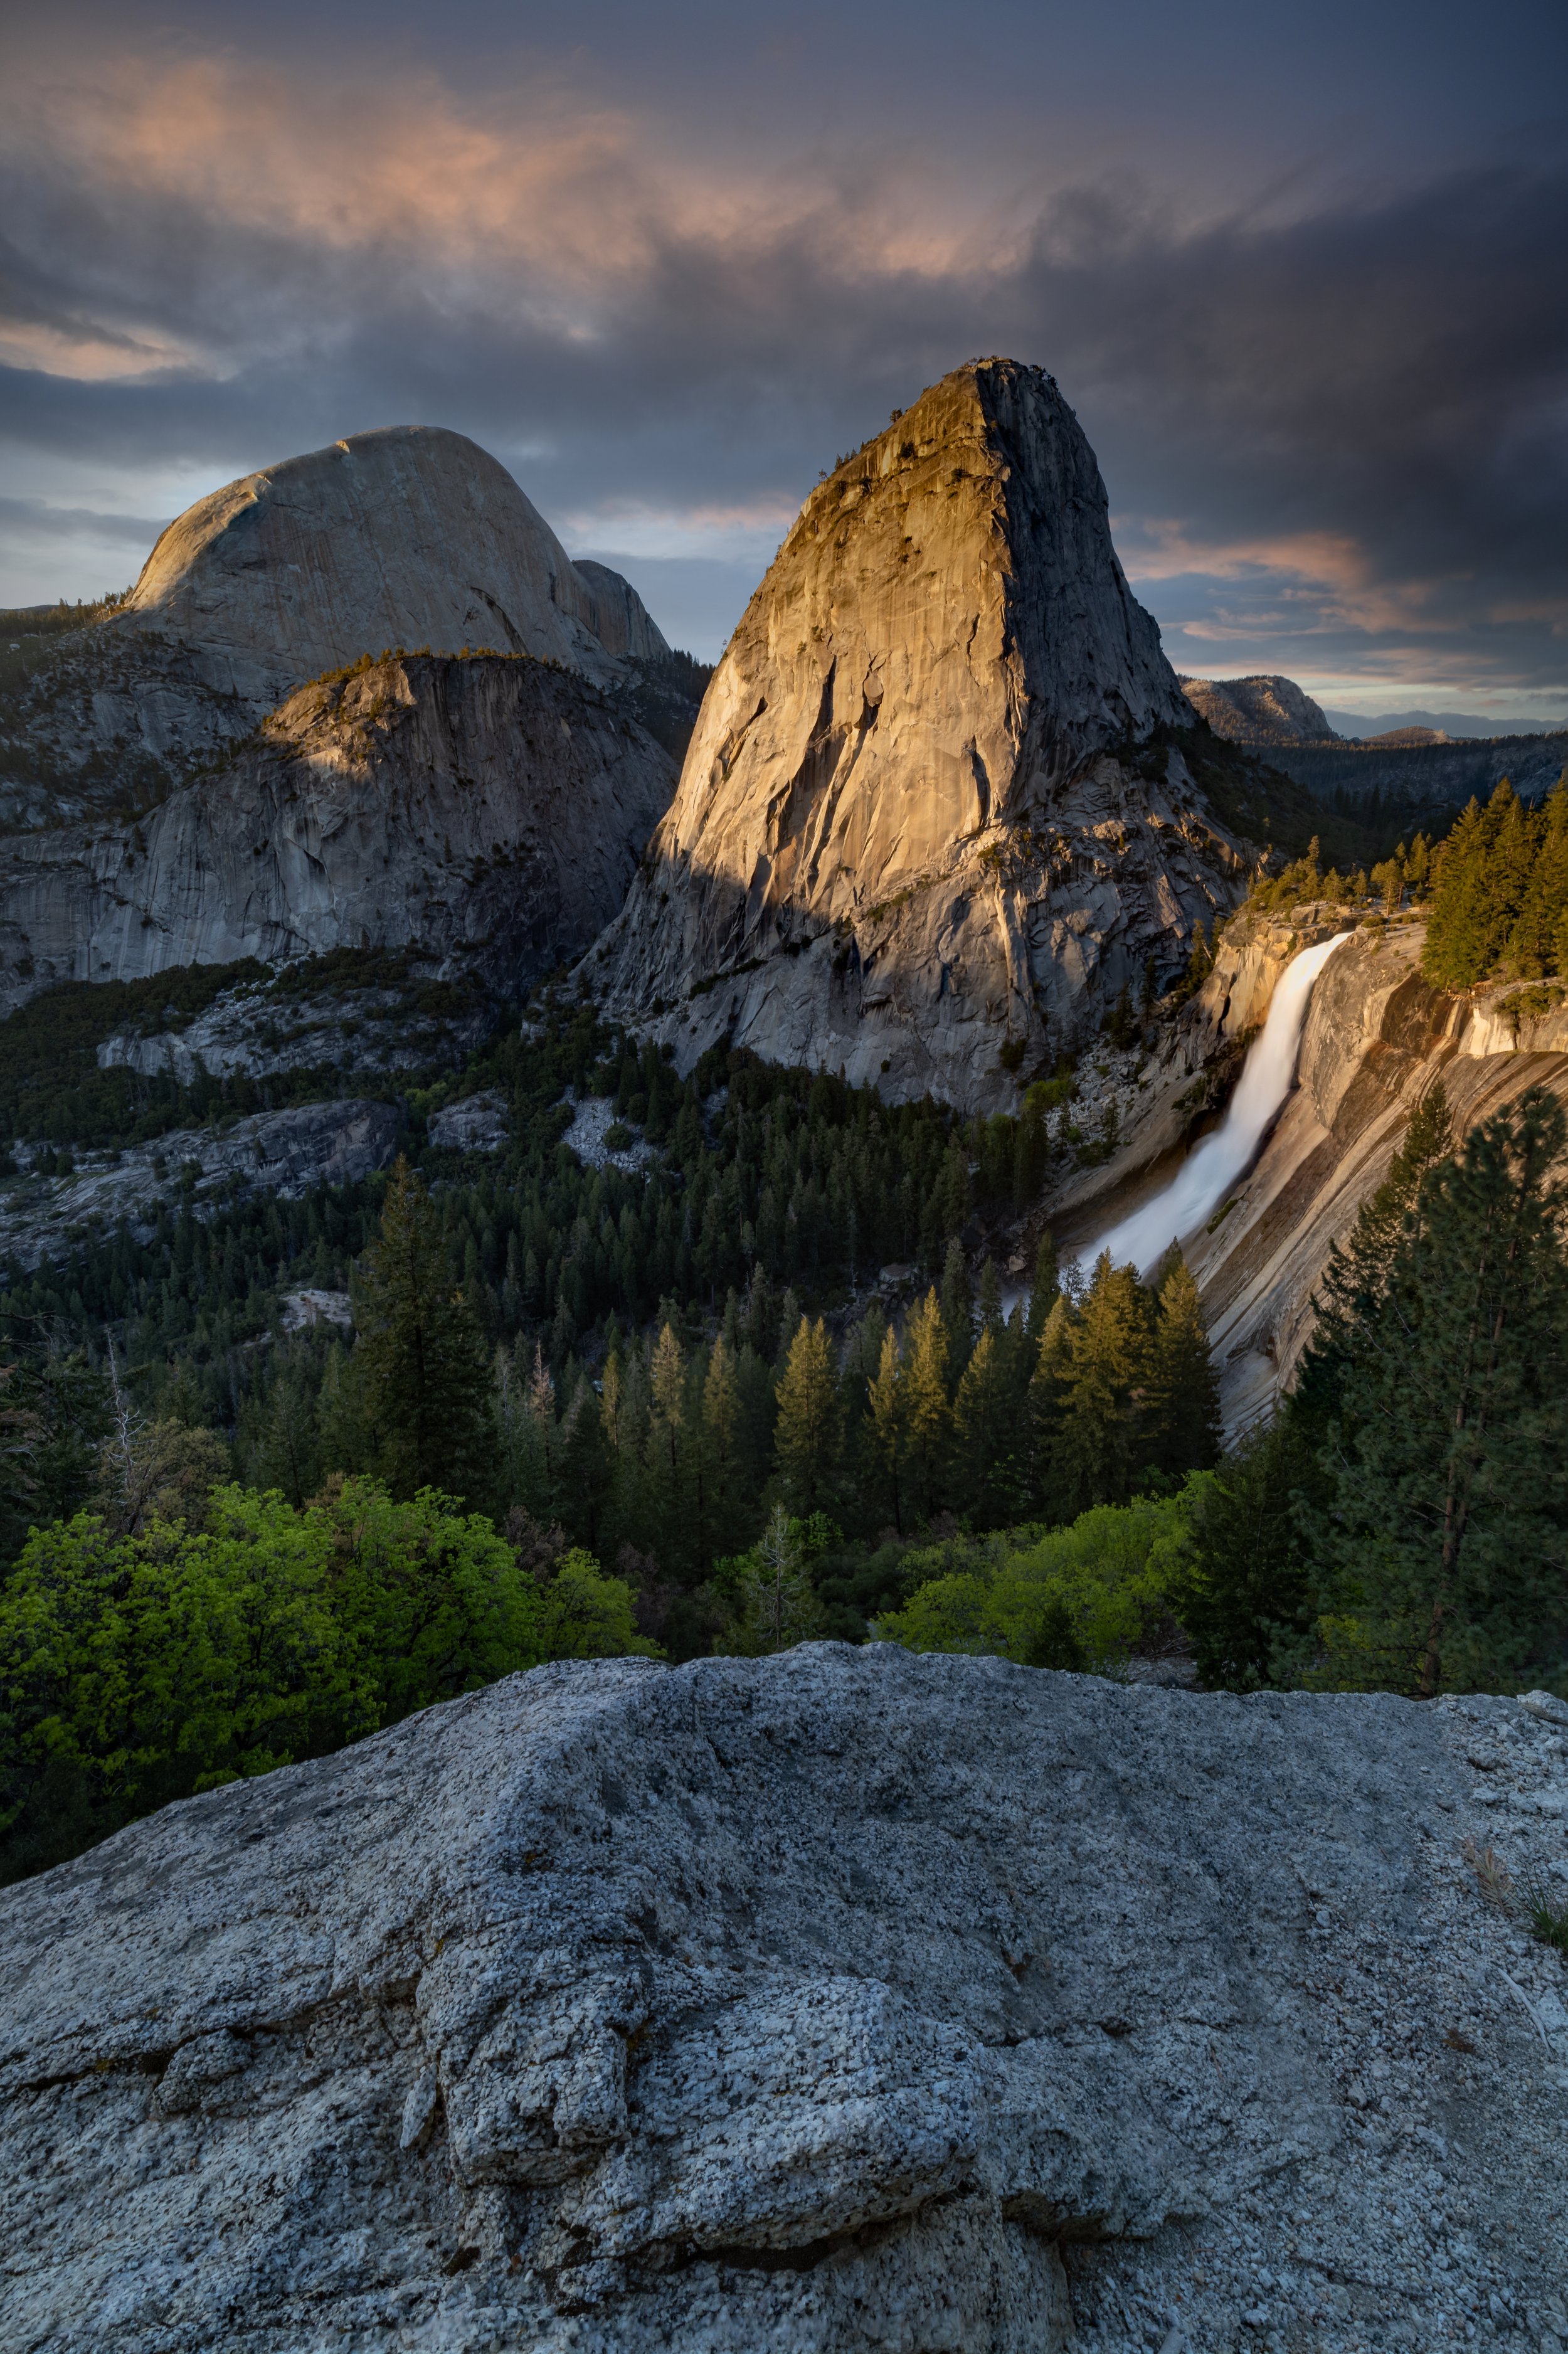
(918, 743)
(409, 535)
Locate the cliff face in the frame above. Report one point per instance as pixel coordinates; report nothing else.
(408, 537)
(1264, 710)
(837, 2003)
(929, 806)
(488, 812)
(1377, 1036)
(1426, 779)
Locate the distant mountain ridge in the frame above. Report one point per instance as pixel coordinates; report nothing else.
(1367, 725)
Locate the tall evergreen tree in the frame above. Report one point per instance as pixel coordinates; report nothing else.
(426, 1372)
(1481, 880)
(929, 1415)
(1448, 1530)
(1357, 1273)
(1099, 1448)
(807, 1434)
(888, 1417)
(1182, 1405)
(1244, 1599)
(1533, 948)
(991, 1456)
(958, 1308)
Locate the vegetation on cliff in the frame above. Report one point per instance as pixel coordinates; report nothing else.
(1499, 898)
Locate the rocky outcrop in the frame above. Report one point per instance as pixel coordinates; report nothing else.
(1264, 710)
(828, 2003)
(933, 816)
(412, 536)
(45, 1218)
(616, 614)
(488, 812)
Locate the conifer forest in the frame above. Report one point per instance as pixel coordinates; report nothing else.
(784, 1362)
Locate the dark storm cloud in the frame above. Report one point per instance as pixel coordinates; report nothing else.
(1333, 441)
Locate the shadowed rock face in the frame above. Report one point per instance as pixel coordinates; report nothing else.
(915, 819)
(837, 2002)
(488, 812)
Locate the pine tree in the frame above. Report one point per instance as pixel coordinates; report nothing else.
(1357, 1272)
(958, 1308)
(1047, 1394)
(928, 1412)
(1533, 948)
(665, 1496)
(1183, 1406)
(719, 1455)
(888, 1417)
(1244, 1600)
(287, 1454)
(806, 1436)
(1448, 1530)
(1046, 1287)
(426, 1374)
(991, 1457)
(778, 1606)
(1481, 881)
(1098, 1449)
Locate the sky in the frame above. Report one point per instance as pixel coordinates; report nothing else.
(1302, 273)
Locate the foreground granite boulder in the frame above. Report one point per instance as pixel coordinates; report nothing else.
(840, 2001)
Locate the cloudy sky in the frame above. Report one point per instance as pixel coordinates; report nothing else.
(1303, 272)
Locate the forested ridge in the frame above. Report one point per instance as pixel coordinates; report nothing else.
(782, 1381)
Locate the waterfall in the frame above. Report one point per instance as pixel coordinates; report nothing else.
(1214, 1164)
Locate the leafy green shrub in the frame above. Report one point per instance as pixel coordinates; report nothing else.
(138, 1669)
(1081, 1597)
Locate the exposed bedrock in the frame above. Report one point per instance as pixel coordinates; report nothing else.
(489, 812)
(1377, 1036)
(931, 807)
(839, 2001)
(408, 537)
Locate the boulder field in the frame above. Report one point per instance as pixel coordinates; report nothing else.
(839, 2001)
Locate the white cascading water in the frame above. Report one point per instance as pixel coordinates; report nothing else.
(1214, 1164)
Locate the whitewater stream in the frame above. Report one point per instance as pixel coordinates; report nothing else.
(1214, 1164)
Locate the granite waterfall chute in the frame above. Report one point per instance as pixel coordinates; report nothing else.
(1216, 1162)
